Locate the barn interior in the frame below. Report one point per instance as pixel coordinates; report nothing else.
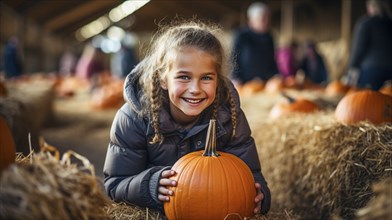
(317, 166)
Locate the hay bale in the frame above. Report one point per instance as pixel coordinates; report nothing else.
(123, 211)
(317, 167)
(380, 206)
(41, 187)
(27, 108)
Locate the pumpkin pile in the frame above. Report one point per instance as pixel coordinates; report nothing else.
(211, 185)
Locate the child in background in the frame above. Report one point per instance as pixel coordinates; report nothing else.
(171, 96)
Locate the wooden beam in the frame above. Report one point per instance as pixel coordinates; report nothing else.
(87, 9)
(287, 21)
(346, 21)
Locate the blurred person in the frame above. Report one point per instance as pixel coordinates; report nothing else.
(253, 50)
(12, 61)
(125, 59)
(370, 61)
(91, 66)
(68, 62)
(313, 64)
(286, 59)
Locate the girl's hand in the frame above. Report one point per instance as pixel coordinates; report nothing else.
(258, 199)
(163, 191)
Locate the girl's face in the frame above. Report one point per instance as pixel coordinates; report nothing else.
(191, 84)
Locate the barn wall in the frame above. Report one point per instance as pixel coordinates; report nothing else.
(39, 49)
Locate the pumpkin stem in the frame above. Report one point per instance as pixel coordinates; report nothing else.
(289, 98)
(210, 149)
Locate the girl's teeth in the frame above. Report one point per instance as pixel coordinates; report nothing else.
(193, 101)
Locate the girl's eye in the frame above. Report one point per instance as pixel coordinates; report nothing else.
(206, 78)
(184, 77)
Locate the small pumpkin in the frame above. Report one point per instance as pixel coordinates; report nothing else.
(274, 84)
(3, 89)
(364, 105)
(211, 185)
(7, 145)
(336, 88)
(107, 96)
(292, 105)
(252, 87)
(386, 89)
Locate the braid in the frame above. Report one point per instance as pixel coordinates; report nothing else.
(233, 114)
(215, 109)
(155, 105)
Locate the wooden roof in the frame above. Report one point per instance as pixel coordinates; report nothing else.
(64, 17)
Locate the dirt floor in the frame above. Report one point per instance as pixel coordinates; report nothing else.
(76, 126)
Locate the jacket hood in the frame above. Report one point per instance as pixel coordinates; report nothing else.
(132, 89)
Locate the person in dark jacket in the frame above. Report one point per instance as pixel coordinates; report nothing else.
(253, 49)
(313, 64)
(371, 53)
(12, 62)
(171, 95)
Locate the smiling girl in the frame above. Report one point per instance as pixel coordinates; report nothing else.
(171, 96)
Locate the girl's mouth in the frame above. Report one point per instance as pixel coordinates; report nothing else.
(193, 101)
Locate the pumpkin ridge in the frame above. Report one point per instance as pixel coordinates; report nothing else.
(190, 170)
(225, 177)
(239, 166)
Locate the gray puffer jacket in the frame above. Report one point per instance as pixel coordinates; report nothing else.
(133, 166)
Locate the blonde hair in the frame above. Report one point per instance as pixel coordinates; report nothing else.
(169, 39)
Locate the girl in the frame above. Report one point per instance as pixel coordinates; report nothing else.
(170, 98)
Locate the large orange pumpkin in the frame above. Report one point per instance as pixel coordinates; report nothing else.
(364, 105)
(7, 145)
(211, 185)
(292, 105)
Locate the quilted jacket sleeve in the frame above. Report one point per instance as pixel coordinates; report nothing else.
(127, 176)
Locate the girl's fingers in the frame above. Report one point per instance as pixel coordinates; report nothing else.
(165, 191)
(167, 182)
(168, 173)
(163, 198)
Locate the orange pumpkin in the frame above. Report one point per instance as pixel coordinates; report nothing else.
(364, 105)
(300, 105)
(109, 95)
(211, 185)
(7, 145)
(274, 84)
(386, 89)
(252, 87)
(336, 88)
(3, 90)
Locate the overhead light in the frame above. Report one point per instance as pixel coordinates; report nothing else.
(115, 15)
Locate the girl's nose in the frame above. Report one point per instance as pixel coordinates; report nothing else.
(194, 87)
